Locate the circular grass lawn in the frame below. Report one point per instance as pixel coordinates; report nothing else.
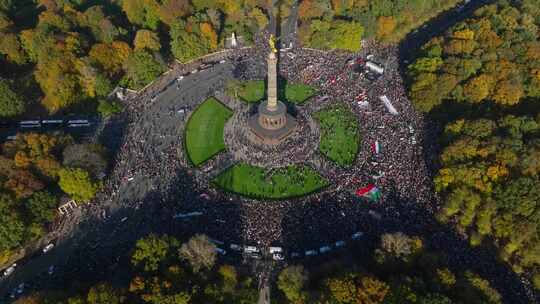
(340, 139)
(204, 131)
(281, 183)
(253, 91)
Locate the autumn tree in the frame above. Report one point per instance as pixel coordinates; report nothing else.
(145, 39)
(199, 252)
(187, 42)
(104, 293)
(399, 246)
(11, 47)
(110, 57)
(171, 10)
(385, 27)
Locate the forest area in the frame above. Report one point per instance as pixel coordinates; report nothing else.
(480, 82)
(342, 24)
(64, 56)
(68, 55)
(400, 270)
(38, 172)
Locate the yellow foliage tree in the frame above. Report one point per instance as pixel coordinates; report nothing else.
(110, 57)
(478, 88)
(465, 34)
(145, 39)
(208, 32)
(385, 27)
(508, 92)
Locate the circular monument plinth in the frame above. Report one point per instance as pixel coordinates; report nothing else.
(271, 126)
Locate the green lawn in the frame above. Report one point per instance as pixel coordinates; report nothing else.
(280, 183)
(253, 91)
(340, 140)
(298, 93)
(204, 131)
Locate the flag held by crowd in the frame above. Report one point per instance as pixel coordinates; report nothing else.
(376, 147)
(370, 191)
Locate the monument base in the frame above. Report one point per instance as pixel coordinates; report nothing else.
(271, 127)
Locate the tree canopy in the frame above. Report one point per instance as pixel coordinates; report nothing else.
(79, 51)
(33, 170)
(11, 104)
(491, 57)
(341, 24)
(479, 82)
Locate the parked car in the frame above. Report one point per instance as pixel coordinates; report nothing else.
(10, 269)
(275, 249)
(48, 248)
(20, 288)
(311, 252)
(324, 249)
(221, 251)
(340, 244)
(278, 256)
(251, 249)
(235, 247)
(357, 235)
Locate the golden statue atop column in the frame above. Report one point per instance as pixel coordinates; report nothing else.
(272, 124)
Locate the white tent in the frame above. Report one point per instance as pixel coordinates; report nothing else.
(374, 67)
(388, 105)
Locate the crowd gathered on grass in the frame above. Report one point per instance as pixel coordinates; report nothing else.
(282, 183)
(339, 134)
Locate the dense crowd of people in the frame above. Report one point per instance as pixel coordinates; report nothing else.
(151, 171)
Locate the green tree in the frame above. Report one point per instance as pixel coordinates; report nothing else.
(434, 298)
(11, 104)
(142, 68)
(42, 206)
(101, 26)
(187, 43)
(151, 251)
(291, 281)
(78, 184)
(142, 12)
(11, 224)
(108, 108)
(104, 294)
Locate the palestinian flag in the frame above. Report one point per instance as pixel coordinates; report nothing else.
(375, 147)
(370, 191)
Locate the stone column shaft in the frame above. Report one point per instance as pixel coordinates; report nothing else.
(272, 82)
